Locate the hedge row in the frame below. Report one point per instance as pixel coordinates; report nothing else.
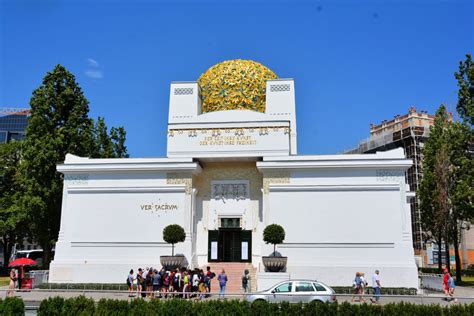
(436, 271)
(85, 306)
(12, 306)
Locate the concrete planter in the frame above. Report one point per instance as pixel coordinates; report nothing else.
(274, 264)
(172, 262)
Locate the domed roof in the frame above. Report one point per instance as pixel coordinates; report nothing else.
(234, 85)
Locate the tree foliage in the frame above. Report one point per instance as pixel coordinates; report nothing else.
(12, 218)
(58, 125)
(173, 234)
(274, 234)
(465, 78)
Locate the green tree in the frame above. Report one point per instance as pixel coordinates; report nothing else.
(173, 234)
(58, 125)
(461, 193)
(274, 234)
(432, 191)
(465, 78)
(12, 218)
(108, 145)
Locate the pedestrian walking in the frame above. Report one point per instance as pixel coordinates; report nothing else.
(363, 285)
(376, 287)
(130, 283)
(451, 287)
(222, 278)
(445, 282)
(11, 285)
(357, 286)
(246, 281)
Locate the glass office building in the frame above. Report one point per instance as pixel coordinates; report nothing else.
(13, 127)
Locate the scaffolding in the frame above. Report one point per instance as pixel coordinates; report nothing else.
(409, 132)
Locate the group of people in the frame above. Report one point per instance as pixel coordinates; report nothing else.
(449, 285)
(360, 285)
(182, 282)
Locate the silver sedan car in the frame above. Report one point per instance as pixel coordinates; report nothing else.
(295, 291)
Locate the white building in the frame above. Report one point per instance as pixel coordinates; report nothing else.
(228, 174)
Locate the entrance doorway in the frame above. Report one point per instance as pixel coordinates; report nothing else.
(230, 245)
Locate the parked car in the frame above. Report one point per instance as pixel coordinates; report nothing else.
(34, 254)
(295, 291)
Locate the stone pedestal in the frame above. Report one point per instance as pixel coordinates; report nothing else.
(265, 280)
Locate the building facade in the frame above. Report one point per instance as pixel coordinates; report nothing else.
(232, 169)
(410, 132)
(13, 124)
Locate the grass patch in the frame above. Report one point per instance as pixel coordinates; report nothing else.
(466, 281)
(4, 281)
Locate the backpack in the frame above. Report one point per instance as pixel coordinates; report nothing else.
(166, 281)
(213, 275)
(176, 280)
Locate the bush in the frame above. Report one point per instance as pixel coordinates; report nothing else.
(173, 234)
(79, 305)
(273, 234)
(12, 306)
(53, 306)
(107, 307)
(84, 306)
(469, 272)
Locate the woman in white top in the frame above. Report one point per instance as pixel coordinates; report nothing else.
(363, 285)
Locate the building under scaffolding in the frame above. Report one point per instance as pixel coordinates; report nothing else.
(410, 132)
(13, 122)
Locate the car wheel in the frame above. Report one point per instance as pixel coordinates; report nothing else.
(316, 302)
(259, 301)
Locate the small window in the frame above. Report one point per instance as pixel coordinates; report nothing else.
(304, 287)
(319, 287)
(284, 288)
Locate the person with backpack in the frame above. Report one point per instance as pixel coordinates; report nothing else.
(139, 281)
(246, 281)
(222, 278)
(208, 277)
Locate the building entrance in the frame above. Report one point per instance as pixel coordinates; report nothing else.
(230, 245)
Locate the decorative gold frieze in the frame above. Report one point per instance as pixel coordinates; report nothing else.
(274, 177)
(181, 178)
(240, 131)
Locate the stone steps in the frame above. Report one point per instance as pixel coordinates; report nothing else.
(234, 272)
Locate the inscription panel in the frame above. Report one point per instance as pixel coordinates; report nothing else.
(229, 141)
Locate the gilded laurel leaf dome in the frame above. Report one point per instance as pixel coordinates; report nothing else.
(234, 85)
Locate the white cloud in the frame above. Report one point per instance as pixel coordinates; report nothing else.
(93, 69)
(92, 63)
(96, 74)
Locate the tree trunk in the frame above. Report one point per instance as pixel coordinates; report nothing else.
(47, 254)
(448, 261)
(456, 253)
(7, 251)
(274, 250)
(172, 249)
(440, 256)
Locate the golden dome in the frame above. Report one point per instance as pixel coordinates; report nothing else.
(234, 85)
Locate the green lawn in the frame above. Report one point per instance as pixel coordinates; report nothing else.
(4, 281)
(467, 281)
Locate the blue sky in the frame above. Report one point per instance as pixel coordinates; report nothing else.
(354, 62)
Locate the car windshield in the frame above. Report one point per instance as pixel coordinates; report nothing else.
(21, 254)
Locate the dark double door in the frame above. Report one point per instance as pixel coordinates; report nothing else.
(230, 245)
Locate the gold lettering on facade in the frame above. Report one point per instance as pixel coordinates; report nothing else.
(228, 141)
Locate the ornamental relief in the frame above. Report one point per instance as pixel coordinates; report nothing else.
(229, 171)
(180, 178)
(76, 179)
(229, 191)
(274, 177)
(242, 131)
(389, 175)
